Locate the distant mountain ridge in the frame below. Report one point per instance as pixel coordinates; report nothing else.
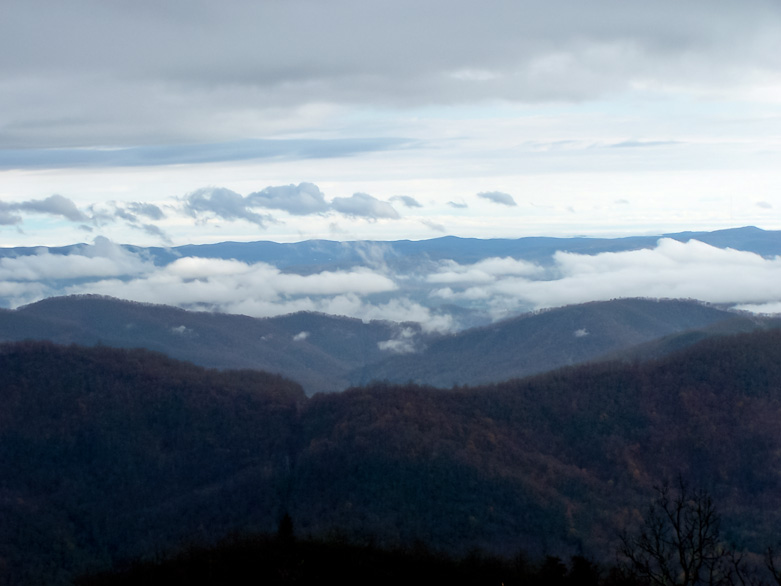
(328, 254)
(325, 353)
(443, 284)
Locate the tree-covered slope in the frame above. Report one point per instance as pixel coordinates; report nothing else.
(106, 453)
(109, 453)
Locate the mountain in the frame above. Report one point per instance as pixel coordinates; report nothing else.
(311, 255)
(325, 353)
(316, 350)
(559, 462)
(106, 453)
(542, 341)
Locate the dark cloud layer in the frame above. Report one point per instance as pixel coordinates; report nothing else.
(110, 73)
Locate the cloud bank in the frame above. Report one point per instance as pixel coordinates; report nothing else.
(433, 295)
(672, 269)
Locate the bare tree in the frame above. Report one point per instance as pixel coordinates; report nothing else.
(679, 545)
(770, 561)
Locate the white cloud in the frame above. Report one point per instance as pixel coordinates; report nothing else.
(102, 259)
(484, 271)
(499, 286)
(672, 269)
(402, 343)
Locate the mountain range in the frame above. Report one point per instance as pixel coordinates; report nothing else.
(443, 284)
(326, 353)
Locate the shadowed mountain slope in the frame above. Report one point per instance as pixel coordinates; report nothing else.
(316, 350)
(326, 353)
(546, 340)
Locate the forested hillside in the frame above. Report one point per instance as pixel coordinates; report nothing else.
(106, 454)
(113, 453)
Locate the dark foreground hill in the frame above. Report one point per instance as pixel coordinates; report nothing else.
(327, 353)
(109, 453)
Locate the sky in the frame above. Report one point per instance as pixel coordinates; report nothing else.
(174, 122)
(163, 123)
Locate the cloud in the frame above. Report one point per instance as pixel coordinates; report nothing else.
(54, 205)
(223, 203)
(642, 144)
(402, 343)
(498, 197)
(7, 217)
(154, 230)
(407, 201)
(175, 87)
(262, 290)
(364, 205)
(485, 271)
(298, 200)
(181, 154)
(182, 331)
(672, 269)
(423, 293)
(457, 205)
(433, 225)
(149, 210)
(301, 336)
(764, 205)
(99, 260)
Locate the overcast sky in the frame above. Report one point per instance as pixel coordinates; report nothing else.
(169, 122)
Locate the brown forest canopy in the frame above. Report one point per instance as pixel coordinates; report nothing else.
(112, 453)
